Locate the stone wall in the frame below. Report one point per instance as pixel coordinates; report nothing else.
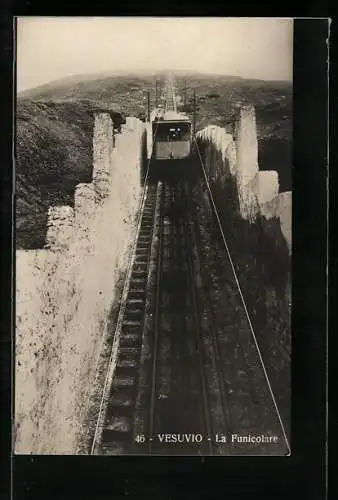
(258, 192)
(60, 224)
(64, 294)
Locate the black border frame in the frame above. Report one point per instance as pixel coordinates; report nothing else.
(303, 473)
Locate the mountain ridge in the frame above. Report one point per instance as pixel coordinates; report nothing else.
(54, 126)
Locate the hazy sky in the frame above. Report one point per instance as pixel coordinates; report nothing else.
(52, 48)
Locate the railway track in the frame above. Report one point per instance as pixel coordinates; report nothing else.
(159, 379)
(166, 382)
(170, 96)
(246, 402)
(179, 404)
(178, 366)
(114, 429)
(252, 407)
(219, 415)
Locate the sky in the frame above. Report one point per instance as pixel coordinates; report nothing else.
(50, 48)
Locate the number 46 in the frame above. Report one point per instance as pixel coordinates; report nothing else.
(140, 438)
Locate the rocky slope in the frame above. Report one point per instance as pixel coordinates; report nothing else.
(54, 126)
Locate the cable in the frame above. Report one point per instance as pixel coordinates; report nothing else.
(243, 301)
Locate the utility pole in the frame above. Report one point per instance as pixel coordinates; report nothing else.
(185, 92)
(148, 95)
(156, 94)
(194, 113)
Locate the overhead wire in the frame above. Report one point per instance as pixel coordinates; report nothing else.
(243, 300)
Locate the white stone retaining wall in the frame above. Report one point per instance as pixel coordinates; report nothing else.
(64, 294)
(258, 192)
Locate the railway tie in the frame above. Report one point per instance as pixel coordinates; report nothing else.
(116, 426)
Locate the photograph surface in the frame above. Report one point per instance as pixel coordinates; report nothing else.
(153, 201)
